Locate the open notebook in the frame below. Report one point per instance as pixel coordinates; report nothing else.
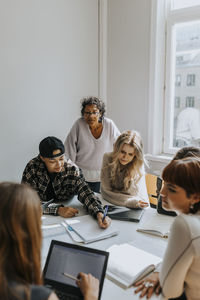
(128, 264)
(157, 225)
(88, 230)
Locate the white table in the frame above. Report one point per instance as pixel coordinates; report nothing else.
(128, 233)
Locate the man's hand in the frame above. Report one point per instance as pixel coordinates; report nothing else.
(106, 221)
(89, 286)
(67, 212)
(149, 285)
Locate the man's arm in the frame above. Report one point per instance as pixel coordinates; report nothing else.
(87, 197)
(29, 177)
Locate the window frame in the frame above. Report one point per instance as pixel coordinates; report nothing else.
(161, 70)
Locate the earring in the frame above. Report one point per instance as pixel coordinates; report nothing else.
(191, 206)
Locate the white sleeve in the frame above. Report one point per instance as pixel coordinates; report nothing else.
(71, 143)
(142, 188)
(177, 259)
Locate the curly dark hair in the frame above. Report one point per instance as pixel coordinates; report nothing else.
(93, 101)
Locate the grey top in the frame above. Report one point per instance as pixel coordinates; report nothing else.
(86, 151)
(38, 292)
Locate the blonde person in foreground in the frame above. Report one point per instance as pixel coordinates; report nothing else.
(179, 274)
(122, 173)
(20, 248)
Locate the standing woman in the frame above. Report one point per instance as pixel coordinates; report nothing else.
(179, 274)
(122, 173)
(20, 248)
(89, 138)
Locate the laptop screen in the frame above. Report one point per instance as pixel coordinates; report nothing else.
(73, 259)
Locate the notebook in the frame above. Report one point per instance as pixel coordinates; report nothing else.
(157, 225)
(128, 264)
(72, 259)
(87, 228)
(124, 213)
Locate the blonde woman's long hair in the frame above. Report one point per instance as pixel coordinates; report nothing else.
(133, 169)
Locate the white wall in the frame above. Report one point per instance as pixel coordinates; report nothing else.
(48, 61)
(128, 64)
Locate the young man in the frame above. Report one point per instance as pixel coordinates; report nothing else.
(55, 178)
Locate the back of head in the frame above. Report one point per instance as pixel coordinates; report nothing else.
(49, 144)
(184, 173)
(189, 151)
(20, 236)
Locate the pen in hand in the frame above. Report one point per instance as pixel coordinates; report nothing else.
(70, 276)
(105, 213)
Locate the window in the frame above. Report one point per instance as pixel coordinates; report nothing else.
(175, 61)
(190, 79)
(189, 102)
(177, 4)
(177, 102)
(178, 80)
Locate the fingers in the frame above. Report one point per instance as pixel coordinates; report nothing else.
(105, 223)
(158, 289)
(143, 204)
(88, 284)
(67, 212)
(148, 286)
(138, 283)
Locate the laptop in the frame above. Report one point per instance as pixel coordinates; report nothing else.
(72, 259)
(124, 213)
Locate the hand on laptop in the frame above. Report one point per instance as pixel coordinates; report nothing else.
(67, 212)
(89, 286)
(103, 223)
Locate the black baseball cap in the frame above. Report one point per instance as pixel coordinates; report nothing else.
(50, 144)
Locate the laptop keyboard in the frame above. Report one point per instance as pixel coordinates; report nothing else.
(64, 296)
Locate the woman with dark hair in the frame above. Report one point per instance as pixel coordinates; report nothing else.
(20, 248)
(184, 152)
(89, 138)
(179, 274)
(122, 173)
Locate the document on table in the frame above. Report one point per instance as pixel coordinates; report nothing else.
(87, 228)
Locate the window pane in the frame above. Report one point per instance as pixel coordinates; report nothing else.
(187, 85)
(177, 4)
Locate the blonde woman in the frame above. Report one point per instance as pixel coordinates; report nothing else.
(122, 173)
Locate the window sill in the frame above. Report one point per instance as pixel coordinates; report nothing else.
(163, 158)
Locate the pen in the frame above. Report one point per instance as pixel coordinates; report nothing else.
(70, 276)
(105, 213)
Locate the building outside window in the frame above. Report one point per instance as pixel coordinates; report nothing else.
(189, 102)
(178, 80)
(177, 102)
(190, 79)
(182, 120)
